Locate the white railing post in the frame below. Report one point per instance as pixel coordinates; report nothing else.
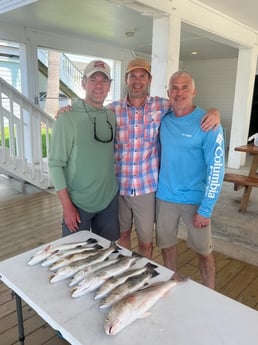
(25, 122)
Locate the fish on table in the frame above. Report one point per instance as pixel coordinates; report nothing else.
(71, 245)
(49, 249)
(136, 305)
(71, 268)
(97, 278)
(59, 255)
(68, 259)
(115, 281)
(131, 284)
(41, 255)
(83, 272)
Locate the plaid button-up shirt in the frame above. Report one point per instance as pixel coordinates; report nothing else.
(137, 144)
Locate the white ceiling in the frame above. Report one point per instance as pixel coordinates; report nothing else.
(104, 21)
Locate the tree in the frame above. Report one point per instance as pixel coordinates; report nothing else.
(52, 99)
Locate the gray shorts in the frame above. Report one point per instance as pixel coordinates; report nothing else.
(139, 210)
(168, 217)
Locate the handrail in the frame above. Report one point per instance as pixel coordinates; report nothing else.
(22, 125)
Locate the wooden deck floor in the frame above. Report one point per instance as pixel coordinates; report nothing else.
(27, 222)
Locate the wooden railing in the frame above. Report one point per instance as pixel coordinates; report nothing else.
(23, 127)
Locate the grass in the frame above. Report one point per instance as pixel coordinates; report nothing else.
(43, 139)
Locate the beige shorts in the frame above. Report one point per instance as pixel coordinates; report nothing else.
(168, 217)
(140, 211)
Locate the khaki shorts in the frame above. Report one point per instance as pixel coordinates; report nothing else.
(140, 211)
(168, 217)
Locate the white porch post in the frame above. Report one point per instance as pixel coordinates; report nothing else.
(29, 85)
(165, 52)
(246, 69)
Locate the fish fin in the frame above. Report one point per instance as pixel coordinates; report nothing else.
(98, 246)
(91, 240)
(115, 246)
(137, 255)
(121, 256)
(48, 248)
(146, 314)
(154, 273)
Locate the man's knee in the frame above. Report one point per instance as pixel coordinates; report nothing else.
(125, 234)
(145, 245)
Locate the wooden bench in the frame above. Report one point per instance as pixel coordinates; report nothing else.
(241, 181)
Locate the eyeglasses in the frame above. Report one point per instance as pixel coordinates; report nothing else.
(96, 137)
(111, 132)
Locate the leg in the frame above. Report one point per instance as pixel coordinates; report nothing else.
(170, 257)
(20, 318)
(125, 239)
(167, 217)
(208, 270)
(200, 241)
(125, 217)
(143, 207)
(145, 249)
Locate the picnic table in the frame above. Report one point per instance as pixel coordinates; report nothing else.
(245, 181)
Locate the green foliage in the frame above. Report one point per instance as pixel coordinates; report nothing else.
(43, 138)
(6, 136)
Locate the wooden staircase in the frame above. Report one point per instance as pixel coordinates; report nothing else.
(22, 125)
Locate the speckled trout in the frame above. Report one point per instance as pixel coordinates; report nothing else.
(113, 282)
(84, 271)
(44, 253)
(57, 256)
(97, 278)
(70, 269)
(131, 284)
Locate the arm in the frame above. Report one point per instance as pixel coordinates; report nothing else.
(200, 221)
(213, 149)
(71, 215)
(211, 120)
(59, 156)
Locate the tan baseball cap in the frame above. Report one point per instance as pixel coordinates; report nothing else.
(138, 63)
(97, 66)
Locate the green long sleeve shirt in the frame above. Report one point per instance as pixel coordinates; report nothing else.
(80, 163)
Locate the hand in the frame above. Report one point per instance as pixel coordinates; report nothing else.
(71, 218)
(200, 221)
(63, 110)
(211, 120)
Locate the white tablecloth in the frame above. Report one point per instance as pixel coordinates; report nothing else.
(191, 314)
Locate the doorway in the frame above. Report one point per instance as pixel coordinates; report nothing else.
(253, 127)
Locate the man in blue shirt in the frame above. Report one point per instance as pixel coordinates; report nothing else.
(190, 178)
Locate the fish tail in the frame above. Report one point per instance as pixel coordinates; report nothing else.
(151, 268)
(178, 277)
(137, 255)
(115, 246)
(91, 240)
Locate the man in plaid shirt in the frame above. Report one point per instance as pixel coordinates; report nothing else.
(138, 118)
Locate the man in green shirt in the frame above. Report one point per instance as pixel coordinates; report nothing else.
(81, 159)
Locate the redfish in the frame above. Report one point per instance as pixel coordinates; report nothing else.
(136, 306)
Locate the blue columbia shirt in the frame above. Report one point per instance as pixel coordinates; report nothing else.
(192, 162)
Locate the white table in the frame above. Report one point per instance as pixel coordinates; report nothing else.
(189, 314)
